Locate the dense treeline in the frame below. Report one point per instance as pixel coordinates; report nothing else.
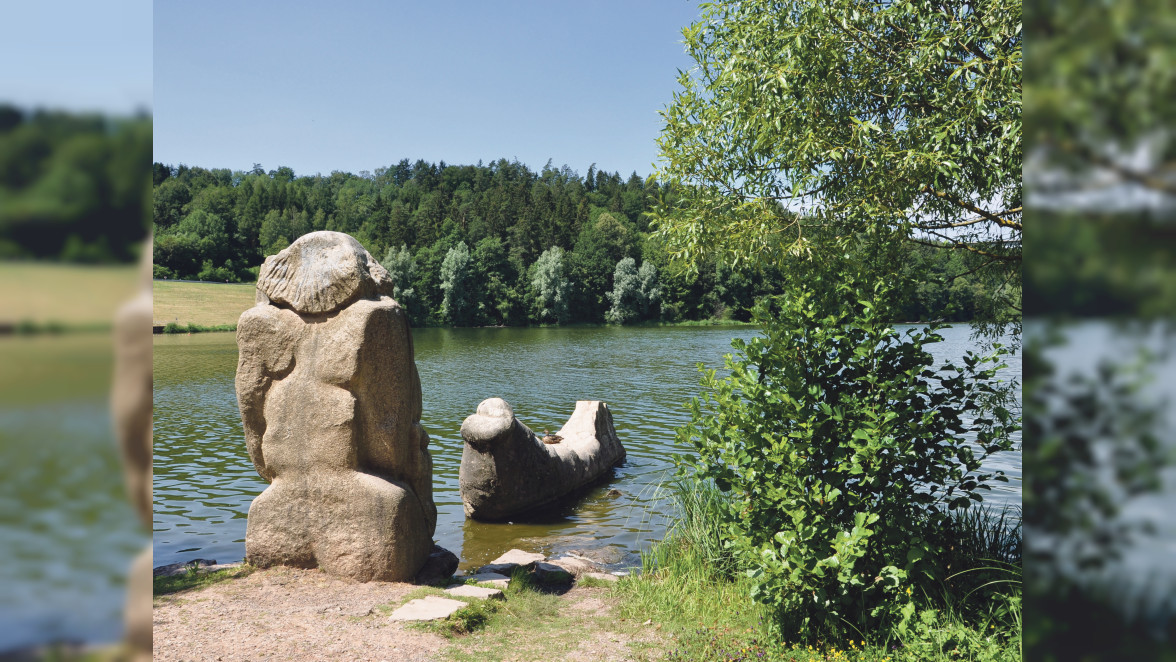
(1102, 265)
(482, 244)
(72, 186)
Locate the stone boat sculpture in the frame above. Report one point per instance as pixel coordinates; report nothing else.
(507, 469)
(331, 402)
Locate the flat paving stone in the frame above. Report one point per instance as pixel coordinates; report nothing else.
(429, 608)
(501, 581)
(480, 592)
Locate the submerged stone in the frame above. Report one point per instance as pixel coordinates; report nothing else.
(506, 469)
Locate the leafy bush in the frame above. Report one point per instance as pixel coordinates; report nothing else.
(844, 452)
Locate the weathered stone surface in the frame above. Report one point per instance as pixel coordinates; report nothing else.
(550, 573)
(331, 403)
(440, 566)
(515, 558)
(602, 555)
(321, 272)
(429, 608)
(576, 567)
(492, 578)
(479, 592)
(602, 576)
(507, 469)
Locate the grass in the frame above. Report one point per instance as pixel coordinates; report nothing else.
(208, 306)
(172, 327)
(533, 623)
(73, 653)
(692, 585)
(194, 579)
(39, 296)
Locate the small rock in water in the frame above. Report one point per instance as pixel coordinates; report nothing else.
(602, 555)
(515, 558)
(576, 566)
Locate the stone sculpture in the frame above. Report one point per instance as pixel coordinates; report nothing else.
(506, 469)
(331, 403)
(132, 410)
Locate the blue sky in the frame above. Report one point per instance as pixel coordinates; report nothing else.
(77, 55)
(358, 85)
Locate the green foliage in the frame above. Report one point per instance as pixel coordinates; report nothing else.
(173, 328)
(402, 269)
(635, 292)
(196, 579)
(73, 187)
(867, 114)
(844, 449)
(458, 304)
(472, 617)
(506, 215)
(550, 289)
(690, 583)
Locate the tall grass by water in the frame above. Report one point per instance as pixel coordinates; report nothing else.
(693, 584)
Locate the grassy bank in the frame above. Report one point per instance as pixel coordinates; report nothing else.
(692, 584)
(40, 297)
(201, 306)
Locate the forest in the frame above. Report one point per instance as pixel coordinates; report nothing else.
(490, 244)
(72, 185)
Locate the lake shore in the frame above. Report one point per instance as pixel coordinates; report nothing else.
(288, 614)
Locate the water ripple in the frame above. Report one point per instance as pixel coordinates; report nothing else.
(204, 481)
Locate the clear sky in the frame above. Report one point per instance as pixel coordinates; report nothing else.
(77, 55)
(358, 85)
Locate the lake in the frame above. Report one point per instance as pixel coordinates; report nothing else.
(67, 532)
(204, 481)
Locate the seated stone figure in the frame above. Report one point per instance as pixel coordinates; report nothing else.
(331, 403)
(506, 468)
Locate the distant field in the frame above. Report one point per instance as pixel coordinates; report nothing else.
(69, 294)
(206, 304)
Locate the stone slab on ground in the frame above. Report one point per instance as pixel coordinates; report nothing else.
(429, 608)
(501, 581)
(479, 592)
(549, 573)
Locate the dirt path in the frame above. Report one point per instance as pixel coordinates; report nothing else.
(290, 614)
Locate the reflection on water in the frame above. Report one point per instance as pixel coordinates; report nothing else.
(204, 481)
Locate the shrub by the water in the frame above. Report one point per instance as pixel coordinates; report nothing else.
(844, 451)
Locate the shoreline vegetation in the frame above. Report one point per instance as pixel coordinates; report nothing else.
(692, 598)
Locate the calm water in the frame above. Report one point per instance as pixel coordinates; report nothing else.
(67, 532)
(204, 481)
